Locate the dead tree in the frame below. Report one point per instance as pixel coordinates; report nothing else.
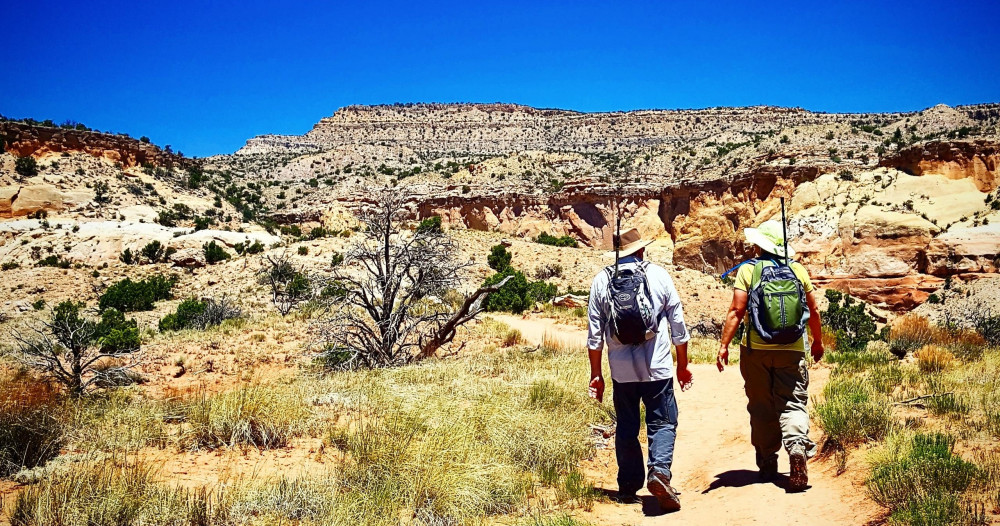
(391, 312)
(66, 348)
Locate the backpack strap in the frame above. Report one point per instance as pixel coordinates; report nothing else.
(758, 269)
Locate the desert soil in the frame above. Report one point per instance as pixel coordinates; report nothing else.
(714, 462)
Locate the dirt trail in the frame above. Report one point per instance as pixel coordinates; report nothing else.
(714, 462)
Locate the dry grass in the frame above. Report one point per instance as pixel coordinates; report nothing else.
(254, 415)
(30, 432)
(934, 359)
(451, 441)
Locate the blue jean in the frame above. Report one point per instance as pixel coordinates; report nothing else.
(661, 429)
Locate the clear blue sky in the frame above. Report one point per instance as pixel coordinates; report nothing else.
(205, 76)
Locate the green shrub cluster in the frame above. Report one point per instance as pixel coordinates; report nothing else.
(53, 261)
(499, 258)
(565, 241)
(214, 253)
(131, 296)
(193, 313)
(115, 334)
(919, 479)
(248, 249)
(430, 225)
(849, 320)
(518, 294)
(26, 166)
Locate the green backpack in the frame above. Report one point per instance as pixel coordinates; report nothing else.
(777, 308)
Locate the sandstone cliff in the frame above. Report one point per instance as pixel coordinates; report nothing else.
(23, 140)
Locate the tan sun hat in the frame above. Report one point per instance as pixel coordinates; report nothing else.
(769, 237)
(631, 243)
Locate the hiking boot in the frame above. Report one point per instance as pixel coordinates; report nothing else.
(626, 498)
(768, 470)
(659, 486)
(798, 479)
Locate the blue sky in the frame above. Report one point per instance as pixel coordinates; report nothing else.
(205, 76)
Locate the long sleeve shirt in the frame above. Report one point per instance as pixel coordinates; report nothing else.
(648, 361)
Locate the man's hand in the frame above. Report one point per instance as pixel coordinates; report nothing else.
(817, 350)
(685, 378)
(722, 360)
(597, 388)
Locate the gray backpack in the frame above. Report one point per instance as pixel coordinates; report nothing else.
(632, 318)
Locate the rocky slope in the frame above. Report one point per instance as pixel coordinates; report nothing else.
(882, 205)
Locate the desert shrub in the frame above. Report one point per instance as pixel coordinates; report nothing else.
(336, 259)
(933, 359)
(540, 292)
(987, 324)
(30, 433)
(303, 250)
(910, 333)
(26, 166)
(214, 253)
(193, 313)
(512, 297)
(913, 476)
(185, 317)
(430, 225)
(850, 321)
(68, 349)
(115, 334)
(131, 296)
(53, 261)
(127, 256)
(289, 285)
(499, 258)
(10, 265)
(549, 271)
(255, 416)
(564, 241)
(851, 412)
(153, 252)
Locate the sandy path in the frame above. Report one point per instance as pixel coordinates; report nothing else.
(714, 462)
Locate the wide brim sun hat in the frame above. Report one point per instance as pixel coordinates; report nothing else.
(631, 242)
(769, 237)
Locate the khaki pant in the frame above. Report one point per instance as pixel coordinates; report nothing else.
(777, 387)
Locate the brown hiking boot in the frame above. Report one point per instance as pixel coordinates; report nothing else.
(798, 479)
(659, 486)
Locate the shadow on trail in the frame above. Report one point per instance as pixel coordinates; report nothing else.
(739, 478)
(650, 506)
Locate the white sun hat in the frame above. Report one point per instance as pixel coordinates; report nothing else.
(769, 237)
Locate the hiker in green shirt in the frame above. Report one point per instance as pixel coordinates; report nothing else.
(775, 375)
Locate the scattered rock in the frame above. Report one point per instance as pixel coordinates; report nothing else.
(188, 258)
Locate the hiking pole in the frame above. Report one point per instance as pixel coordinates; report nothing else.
(784, 231)
(617, 238)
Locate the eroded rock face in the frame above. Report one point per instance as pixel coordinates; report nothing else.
(24, 139)
(976, 160)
